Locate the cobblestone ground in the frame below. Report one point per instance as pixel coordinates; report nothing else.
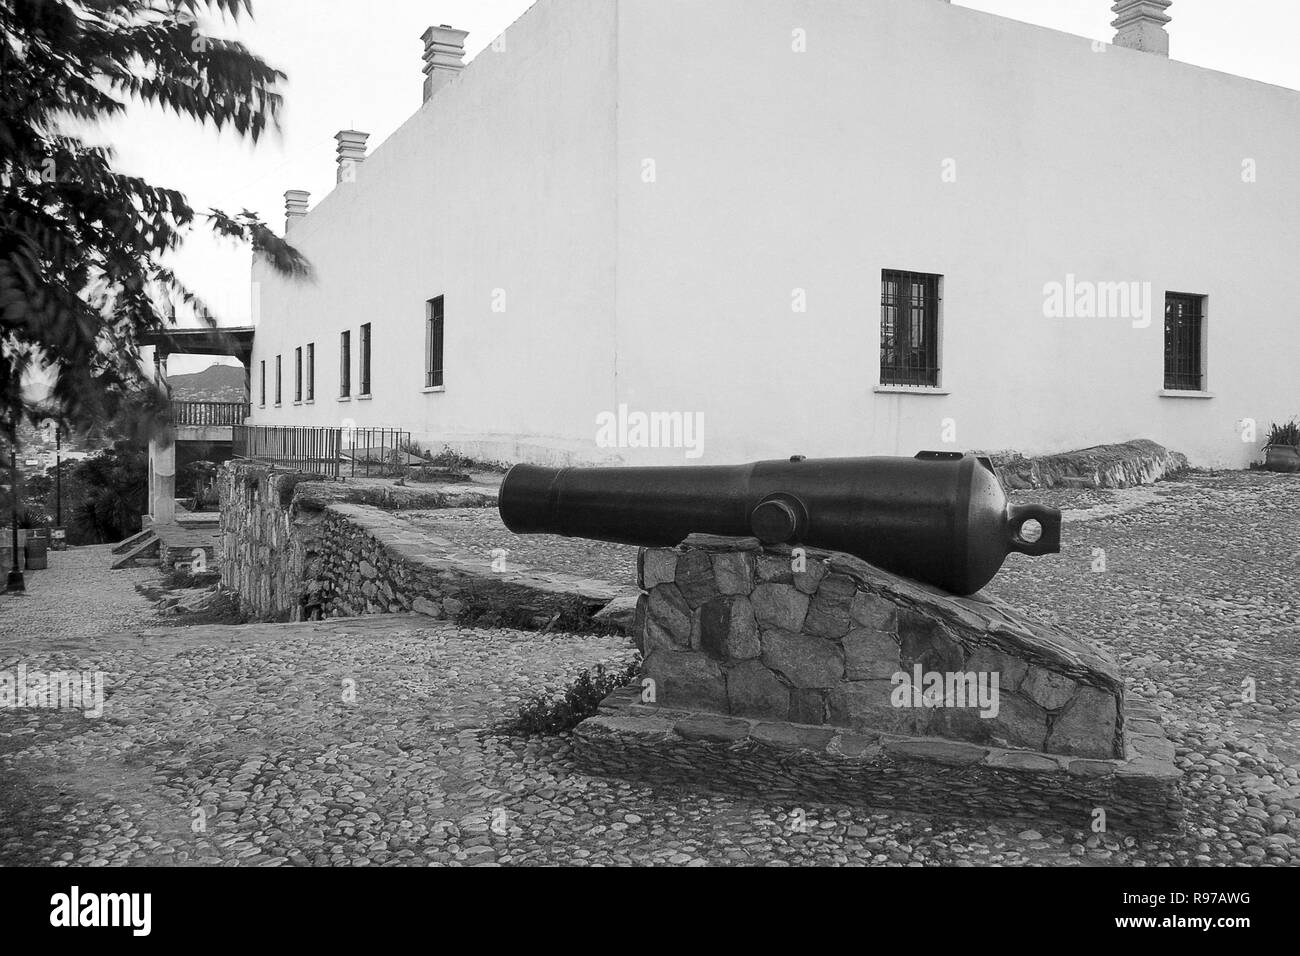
(234, 746)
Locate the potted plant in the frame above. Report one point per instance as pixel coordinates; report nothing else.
(1282, 453)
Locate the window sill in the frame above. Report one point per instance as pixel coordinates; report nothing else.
(345, 398)
(310, 401)
(910, 390)
(1180, 393)
(297, 403)
(277, 405)
(434, 389)
(365, 398)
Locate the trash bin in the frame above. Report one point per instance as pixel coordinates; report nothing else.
(37, 553)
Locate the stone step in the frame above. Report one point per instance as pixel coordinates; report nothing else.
(124, 546)
(145, 549)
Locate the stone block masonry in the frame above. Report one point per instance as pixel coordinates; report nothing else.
(295, 547)
(819, 676)
(731, 628)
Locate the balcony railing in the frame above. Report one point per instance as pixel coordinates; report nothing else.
(210, 413)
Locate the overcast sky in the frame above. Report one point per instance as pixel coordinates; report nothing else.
(358, 65)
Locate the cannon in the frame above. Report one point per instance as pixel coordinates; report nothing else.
(941, 518)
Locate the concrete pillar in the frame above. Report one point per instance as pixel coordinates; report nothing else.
(162, 479)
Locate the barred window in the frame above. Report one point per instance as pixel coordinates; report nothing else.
(365, 359)
(297, 374)
(278, 369)
(909, 328)
(1184, 342)
(345, 364)
(311, 371)
(263, 390)
(433, 338)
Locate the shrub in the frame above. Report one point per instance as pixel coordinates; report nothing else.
(453, 460)
(547, 716)
(180, 578)
(573, 617)
(1288, 434)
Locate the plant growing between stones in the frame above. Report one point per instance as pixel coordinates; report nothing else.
(573, 617)
(547, 716)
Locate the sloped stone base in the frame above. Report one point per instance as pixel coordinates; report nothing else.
(730, 627)
(1139, 462)
(797, 763)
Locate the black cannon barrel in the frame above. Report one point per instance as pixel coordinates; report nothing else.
(941, 517)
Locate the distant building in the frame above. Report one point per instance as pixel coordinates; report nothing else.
(843, 227)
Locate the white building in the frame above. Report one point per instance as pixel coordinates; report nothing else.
(838, 227)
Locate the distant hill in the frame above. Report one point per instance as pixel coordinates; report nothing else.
(217, 383)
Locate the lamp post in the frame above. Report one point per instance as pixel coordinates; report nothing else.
(58, 476)
(16, 581)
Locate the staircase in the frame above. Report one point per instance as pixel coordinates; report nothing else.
(136, 550)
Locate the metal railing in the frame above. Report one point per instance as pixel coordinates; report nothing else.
(313, 450)
(377, 452)
(363, 452)
(210, 413)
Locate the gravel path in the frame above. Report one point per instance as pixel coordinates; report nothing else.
(77, 601)
(233, 746)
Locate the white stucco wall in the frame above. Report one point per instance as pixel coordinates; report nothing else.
(504, 180)
(776, 171)
(779, 170)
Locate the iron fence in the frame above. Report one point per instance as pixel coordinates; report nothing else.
(314, 450)
(378, 452)
(361, 452)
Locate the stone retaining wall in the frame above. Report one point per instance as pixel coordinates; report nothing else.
(295, 547)
(730, 627)
(791, 675)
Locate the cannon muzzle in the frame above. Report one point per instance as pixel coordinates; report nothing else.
(941, 518)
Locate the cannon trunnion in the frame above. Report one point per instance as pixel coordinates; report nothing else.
(941, 518)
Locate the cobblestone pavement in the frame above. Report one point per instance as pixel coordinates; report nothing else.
(234, 746)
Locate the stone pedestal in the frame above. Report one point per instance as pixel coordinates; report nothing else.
(754, 649)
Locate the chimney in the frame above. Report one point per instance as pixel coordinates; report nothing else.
(1141, 25)
(352, 153)
(295, 206)
(444, 57)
